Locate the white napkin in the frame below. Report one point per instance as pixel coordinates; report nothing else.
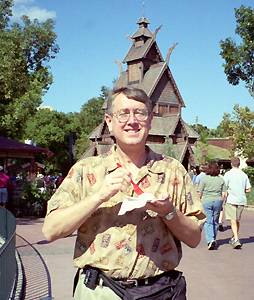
(130, 203)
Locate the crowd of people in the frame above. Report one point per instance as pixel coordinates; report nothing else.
(223, 195)
(9, 183)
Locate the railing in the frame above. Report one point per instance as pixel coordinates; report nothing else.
(8, 265)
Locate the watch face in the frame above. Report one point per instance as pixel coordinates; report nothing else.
(170, 215)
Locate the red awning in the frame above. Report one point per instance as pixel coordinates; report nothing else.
(13, 148)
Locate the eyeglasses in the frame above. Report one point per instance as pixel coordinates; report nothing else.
(123, 115)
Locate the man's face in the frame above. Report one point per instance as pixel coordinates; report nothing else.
(133, 131)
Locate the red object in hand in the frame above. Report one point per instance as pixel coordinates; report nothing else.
(136, 188)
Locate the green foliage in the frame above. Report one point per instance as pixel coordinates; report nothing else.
(203, 131)
(51, 129)
(243, 130)
(225, 128)
(25, 50)
(90, 116)
(250, 196)
(5, 12)
(250, 172)
(239, 59)
(240, 127)
(32, 200)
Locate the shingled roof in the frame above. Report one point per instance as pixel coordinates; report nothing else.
(191, 132)
(179, 150)
(139, 52)
(164, 126)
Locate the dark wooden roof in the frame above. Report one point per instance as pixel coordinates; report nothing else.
(136, 53)
(13, 148)
(164, 126)
(151, 80)
(191, 132)
(97, 132)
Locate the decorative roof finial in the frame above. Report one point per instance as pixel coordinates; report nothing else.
(143, 8)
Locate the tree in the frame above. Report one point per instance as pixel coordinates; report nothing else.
(25, 50)
(243, 130)
(225, 128)
(203, 131)
(239, 59)
(52, 129)
(240, 127)
(90, 116)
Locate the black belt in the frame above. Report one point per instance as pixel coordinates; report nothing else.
(92, 277)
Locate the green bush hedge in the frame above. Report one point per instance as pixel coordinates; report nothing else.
(250, 196)
(31, 200)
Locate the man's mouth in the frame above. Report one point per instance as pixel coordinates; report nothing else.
(132, 130)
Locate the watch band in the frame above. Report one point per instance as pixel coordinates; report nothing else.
(170, 215)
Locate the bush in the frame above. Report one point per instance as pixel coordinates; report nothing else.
(250, 196)
(32, 200)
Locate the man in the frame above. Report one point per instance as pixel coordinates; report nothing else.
(4, 182)
(237, 183)
(121, 256)
(200, 175)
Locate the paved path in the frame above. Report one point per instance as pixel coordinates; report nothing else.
(224, 274)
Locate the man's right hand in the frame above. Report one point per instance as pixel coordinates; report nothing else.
(118, 180)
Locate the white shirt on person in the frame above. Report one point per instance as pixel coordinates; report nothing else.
(236, 182)
(199, 177)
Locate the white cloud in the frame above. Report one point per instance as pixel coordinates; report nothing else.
(16, 2)
(24, 7)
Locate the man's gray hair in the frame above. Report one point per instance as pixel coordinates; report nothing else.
(131, 93)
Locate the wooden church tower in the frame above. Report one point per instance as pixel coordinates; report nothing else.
(146, 69)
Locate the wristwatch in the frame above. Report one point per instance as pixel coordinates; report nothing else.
(170, 215)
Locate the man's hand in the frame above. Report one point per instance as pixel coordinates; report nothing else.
(118, 180)
(161, 206)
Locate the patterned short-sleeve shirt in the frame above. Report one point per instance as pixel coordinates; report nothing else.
(137, 244)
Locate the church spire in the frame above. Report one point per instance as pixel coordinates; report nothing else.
(143, 33)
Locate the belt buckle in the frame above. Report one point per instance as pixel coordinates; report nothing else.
(131, 282)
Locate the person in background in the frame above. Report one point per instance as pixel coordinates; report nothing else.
(212, 191)
(201, 174)
(4, 182)
(221, 218)
(135, 254)
(59, 180)
(238, 184)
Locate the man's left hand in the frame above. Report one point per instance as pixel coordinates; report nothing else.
(161, 206)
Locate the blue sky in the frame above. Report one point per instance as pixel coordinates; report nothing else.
(93, 34)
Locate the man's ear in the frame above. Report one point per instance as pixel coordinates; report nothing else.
(108, 119)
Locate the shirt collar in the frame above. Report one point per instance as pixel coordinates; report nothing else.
(152, 164)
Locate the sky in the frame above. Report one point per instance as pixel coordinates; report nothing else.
(93, 34)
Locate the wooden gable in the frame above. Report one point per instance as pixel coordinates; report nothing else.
(166, 99)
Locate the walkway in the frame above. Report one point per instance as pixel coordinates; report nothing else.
(224, 274)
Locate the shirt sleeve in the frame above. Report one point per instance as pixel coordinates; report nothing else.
(69, 192)
(190, 203)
